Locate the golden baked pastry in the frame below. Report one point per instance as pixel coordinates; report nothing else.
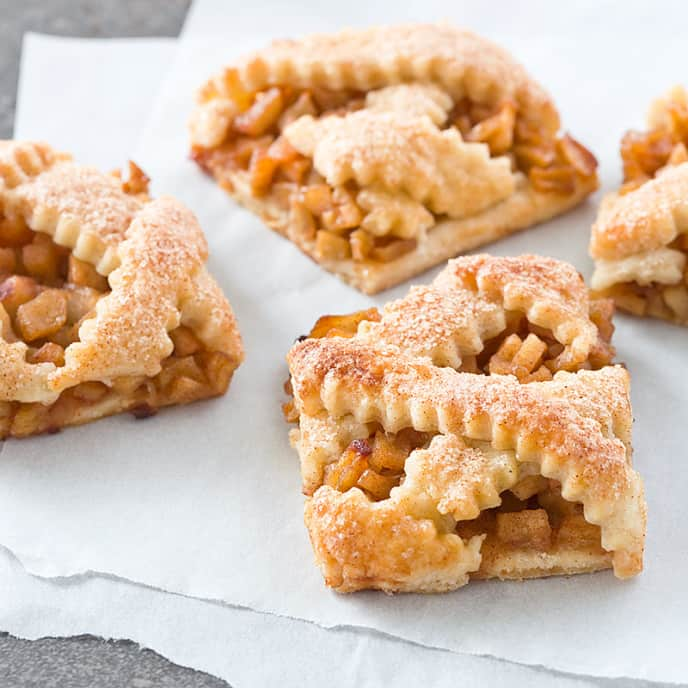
(382, 152)
(419, 476)
(640, 238)
(105, 302)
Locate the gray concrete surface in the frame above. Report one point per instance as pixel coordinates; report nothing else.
(89, 18)
(83, 662)
(87, 662)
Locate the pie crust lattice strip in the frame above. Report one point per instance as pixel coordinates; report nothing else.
(419, 476)
(385, 151)
(640, 239)
(105, 301)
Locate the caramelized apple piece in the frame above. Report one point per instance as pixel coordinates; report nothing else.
(676, 297)
(327, 99)
(627, 299)
(179, 367)
(217, 369)
(81, 301)
(388, 454)
(262, 170)
(362, 244)
(540, 155)
(184, 340)
(48, 353)
(377, 486)
(497, 130)
(331, 246)
(14, 232)
(392, 250)
(235, 89)
(575, 531)
(6, 331)
(183, 390)
(554, 179)
(295, 170)
(43, 315)
(17, 290)
(528, 528)
(303, 105)
(90, 391)
(577, 155)
(643, 153)
(342, 325)
(8, 260)
(519, 357)
(67, 335)
(262, 115)
(485, 523)
(343, 214)
(679, 155)
(301, 222)
(344, 474)
(529, 486)
(85, 275)
(318, 198)
(137, 181)
(41, 260)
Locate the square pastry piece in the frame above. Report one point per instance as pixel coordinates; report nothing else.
(419, 475)
(640, 239)
(385, 151)
(105, 301)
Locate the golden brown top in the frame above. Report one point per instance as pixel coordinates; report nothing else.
(645, 219)
(95, 200)
(460, 62)
(399, 370)
(21, 160)
(468, 301)
(153, 253)
(568, 426)
(397, 152)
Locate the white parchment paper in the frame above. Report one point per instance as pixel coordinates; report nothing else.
(205, 500)
(243, 647)
(247, 649)
(89, 96)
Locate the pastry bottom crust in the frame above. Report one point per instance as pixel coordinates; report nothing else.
(519, 564)
(143, 397)
(447, 239)
(359, 544)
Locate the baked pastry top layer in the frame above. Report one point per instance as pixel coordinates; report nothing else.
(105, 301)
(640, 239)
(382, 152)
(419, 475)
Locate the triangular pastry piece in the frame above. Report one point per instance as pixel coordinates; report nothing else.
(105, 301)
(382, 152)
(419, 476)
(640, 238)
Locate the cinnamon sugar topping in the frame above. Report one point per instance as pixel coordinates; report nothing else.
(105, 301)
(528, 463)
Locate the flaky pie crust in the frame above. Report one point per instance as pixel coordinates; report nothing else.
(487, 434)
(153, 254)
(411, 77)
(639, 241)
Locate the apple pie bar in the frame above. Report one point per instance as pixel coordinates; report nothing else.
(105, 301)
(473, 429)
(640, 239)
(382, 152)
